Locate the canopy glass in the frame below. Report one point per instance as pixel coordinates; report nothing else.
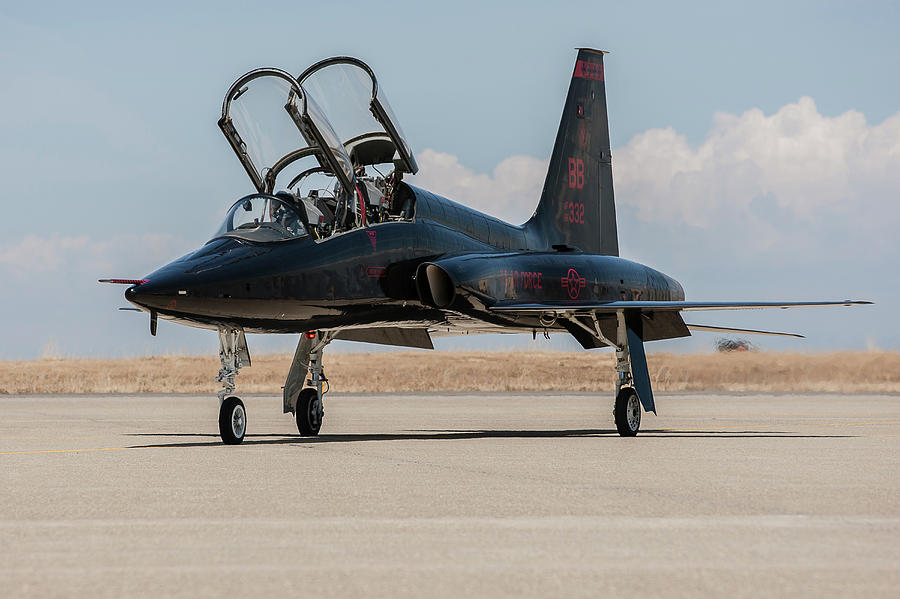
(269, 122)
(349, 94)
(320, 131)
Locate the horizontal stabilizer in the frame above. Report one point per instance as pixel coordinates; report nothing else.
(662, 306)
(707, 328)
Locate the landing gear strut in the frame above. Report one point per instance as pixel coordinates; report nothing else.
(233, 354)
(302, 395)
(627, 410)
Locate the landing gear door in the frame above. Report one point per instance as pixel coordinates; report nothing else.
(267, 117)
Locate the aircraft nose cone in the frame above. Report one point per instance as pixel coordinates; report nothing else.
(157, 293)
(131, 294)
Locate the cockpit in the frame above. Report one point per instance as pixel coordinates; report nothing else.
(261, 217)
(323, 150)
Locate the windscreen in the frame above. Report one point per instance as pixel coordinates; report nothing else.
(262, 218)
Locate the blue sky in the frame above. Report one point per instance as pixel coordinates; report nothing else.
(756, 146)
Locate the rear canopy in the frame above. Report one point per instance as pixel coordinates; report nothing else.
(348, 92)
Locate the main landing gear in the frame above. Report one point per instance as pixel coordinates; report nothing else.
(627, 409)
(306, 384)
(309, 412)
(628, 341)
(627, 412)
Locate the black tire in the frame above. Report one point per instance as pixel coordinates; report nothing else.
(309, 412)
(232, 421)
(627, 412)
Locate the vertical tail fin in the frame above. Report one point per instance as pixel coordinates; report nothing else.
(577, 207)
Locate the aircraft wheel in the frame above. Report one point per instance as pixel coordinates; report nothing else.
(309, 413)
(232, 421)
(627, 412)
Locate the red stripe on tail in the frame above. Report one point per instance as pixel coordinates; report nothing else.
(589, 70)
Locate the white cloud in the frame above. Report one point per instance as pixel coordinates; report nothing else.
(134, 253)
(794, 169)
(511, 192)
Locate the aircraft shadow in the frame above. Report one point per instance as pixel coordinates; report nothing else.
(450, 435)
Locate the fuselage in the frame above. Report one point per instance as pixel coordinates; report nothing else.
(366, 277)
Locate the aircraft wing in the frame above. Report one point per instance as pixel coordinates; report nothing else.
(660, 306)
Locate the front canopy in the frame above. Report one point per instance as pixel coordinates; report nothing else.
(270, 122)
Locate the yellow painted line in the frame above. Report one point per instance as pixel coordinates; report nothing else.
(853, 423)
(720, 428)
(62, 450)
(725, 428)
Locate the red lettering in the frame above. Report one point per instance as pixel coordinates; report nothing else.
(515, 280)
(576, 173)
(589, 70)
(573, 212)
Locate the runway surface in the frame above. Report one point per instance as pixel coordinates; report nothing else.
(439, 495)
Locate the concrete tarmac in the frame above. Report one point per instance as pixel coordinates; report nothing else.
(527, 494)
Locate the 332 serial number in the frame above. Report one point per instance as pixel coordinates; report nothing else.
(573, 212)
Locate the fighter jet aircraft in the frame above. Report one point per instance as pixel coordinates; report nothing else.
(334, 244)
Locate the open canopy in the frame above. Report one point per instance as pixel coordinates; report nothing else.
(334, 112)
(348, 92)
(270, 122)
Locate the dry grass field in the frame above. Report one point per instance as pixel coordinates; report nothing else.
(458, 371)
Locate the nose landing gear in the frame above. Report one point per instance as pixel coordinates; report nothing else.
(232, 421)
(233, 354)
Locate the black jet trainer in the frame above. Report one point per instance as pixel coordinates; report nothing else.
(333, 244)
